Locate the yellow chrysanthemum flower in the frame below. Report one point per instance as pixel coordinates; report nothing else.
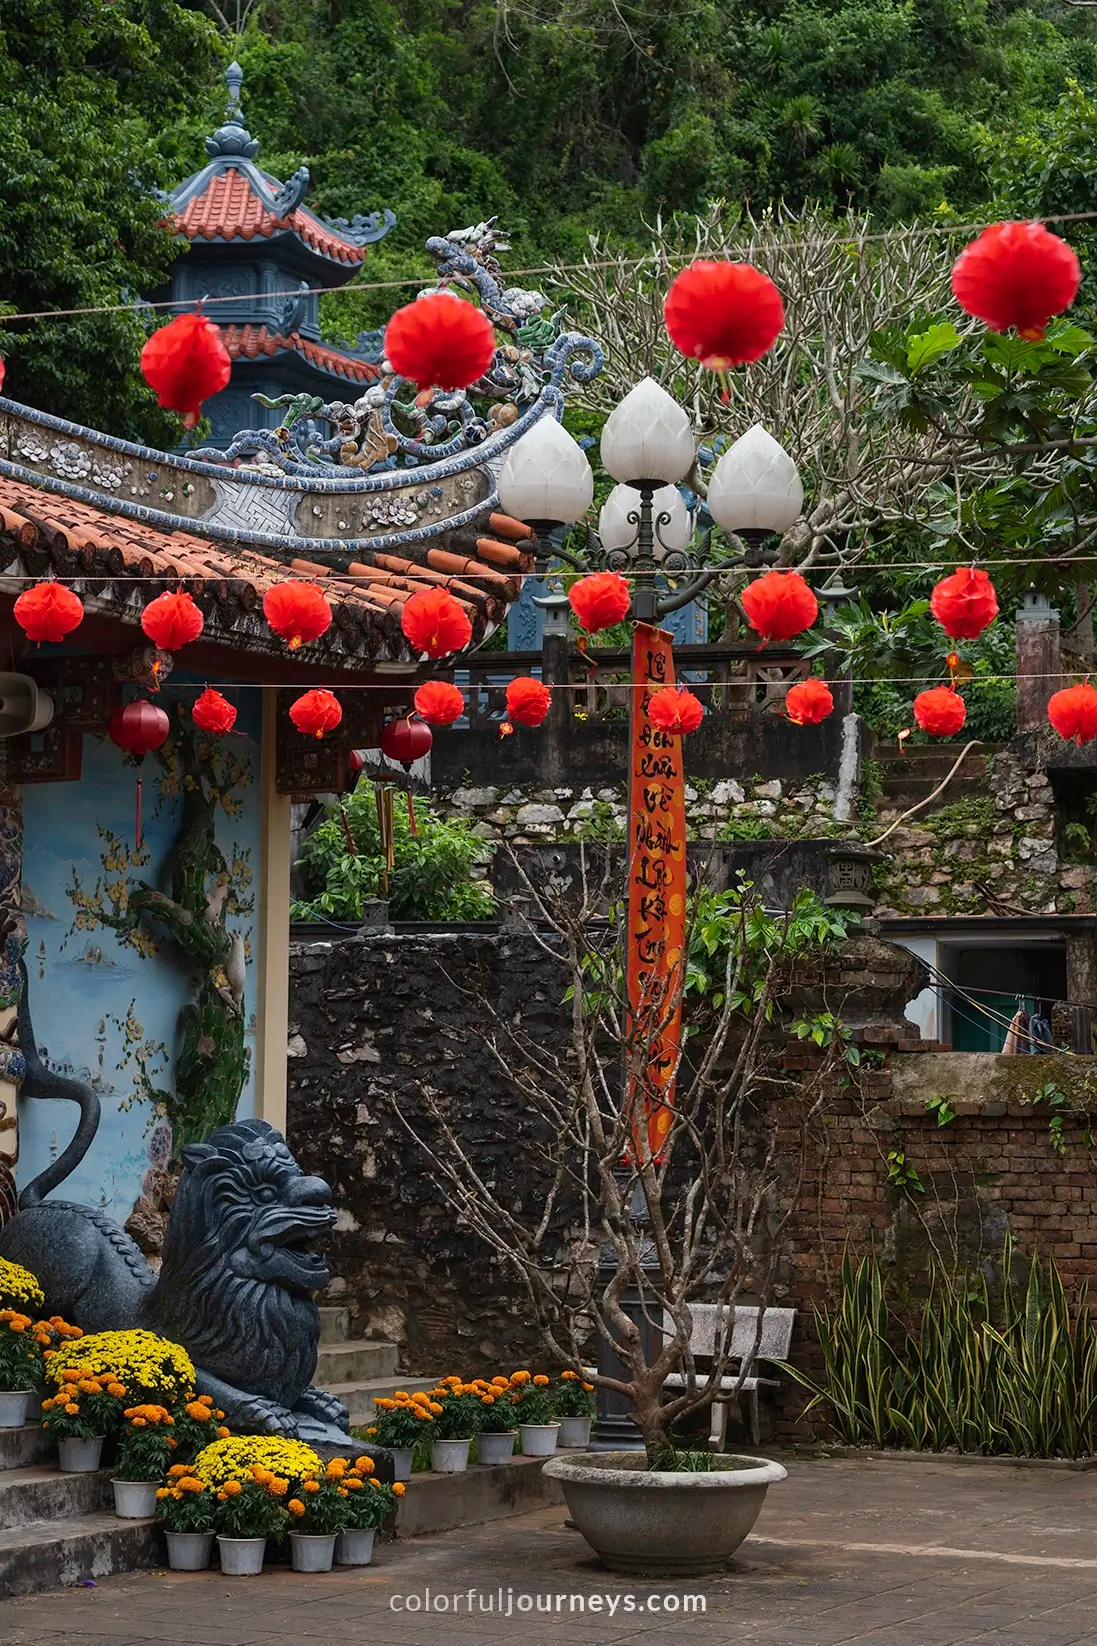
(236, 1457)
(18, 1285)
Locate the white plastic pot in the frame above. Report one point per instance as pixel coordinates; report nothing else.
(312, 1551)
(79, 1457)
(538, 1439)
(134, 1499)
(241, 1556)
(355, 1547)
(13, 1408)
(574, 1431)
(449, 1457)
(497, 1448)
(189, 1551)
(401, 1461)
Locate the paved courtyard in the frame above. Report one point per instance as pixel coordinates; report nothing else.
(877, 1553)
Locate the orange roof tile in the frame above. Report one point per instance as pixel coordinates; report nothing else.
(229, 209)
(251, 341)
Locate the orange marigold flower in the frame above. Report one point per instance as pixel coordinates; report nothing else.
(310, 1485)
(519, 1378)
(222, 1433)
(435, 1408)
(163, 1492)
(232, 1488)
(364, 1465)
(72, 1408)
(342, 1490)
(500, 1382)
(541, 1380)
(567, 1377)
(589, 1387)
(399, 1488)
(198, 1412)
(278, 1487)
(337, 1468)
(296, 1507)
(353, 1484)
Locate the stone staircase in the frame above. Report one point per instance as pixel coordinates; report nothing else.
(912, 777)
(357, 1369)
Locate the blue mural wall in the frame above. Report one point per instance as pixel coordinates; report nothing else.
(102, 1009)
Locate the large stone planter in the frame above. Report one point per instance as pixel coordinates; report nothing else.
(638, 1520)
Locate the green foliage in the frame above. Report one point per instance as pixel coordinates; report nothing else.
(901, 1174)
(734, 920)
(432, 879)
(941, 1108)
(1011, 1370)
(673, 1461)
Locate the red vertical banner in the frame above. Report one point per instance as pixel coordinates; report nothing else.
(656, 893)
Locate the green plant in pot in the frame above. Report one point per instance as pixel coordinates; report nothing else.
(455, 1408)
(21, 1346)
(247, 1513)
(80, 1416)
(537, 1426)
(185, 1509)
(198, 1423)
(369, 1506)
(498, 1422)
(401, 1424)
(318, 1507)
(573, 1403)
(146, 1444)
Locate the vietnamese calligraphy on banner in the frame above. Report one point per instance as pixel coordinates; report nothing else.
(656, 894)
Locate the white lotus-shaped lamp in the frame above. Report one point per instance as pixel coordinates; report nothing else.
(648, 437)
(616, 531)
(755, 486)
(546, 476)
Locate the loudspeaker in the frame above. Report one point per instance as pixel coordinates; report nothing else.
(24, 706)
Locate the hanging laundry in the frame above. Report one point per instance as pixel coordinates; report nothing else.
(1017, 1041)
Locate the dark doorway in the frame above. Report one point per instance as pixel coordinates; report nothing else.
(996, 979)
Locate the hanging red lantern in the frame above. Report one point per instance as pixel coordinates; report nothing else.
(172, 620)
(808, 702)
(779, 605)
(675, 710)
(3, 373)
(941, 711)
(48, 611)
(316, 713)
(600, 600)
(439, 702)
(406, 740)
(440, 341)
(185, 362)
(1073, 713)
(297, 612)
(1016, 274)
(528, 701)
(436, 623)
(965, 603)
(723, 314)
(213, 713)
(138, 729)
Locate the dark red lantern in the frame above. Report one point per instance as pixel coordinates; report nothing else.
(3, 373)
(675, 710)
(172, 620)
(297, 612)
(779, 605)
(185, 362)
(440, 341)
(213, 713)
(316, 713)
(1073, 713)
(138, 729)
(406, 740)
(1016, 274)
(528, 701)
(600, 600)
(435, 623)
(965, 603)
(723, 314)
(48, 611)
(439, 702)
(941, 711)
(808, 702)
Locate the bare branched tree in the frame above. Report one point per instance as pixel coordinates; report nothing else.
(617, 1243)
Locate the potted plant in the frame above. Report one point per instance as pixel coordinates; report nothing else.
(185, 1509)
(246, 1514)
(533, 1403)
(369, 1506)
(498, 1424)
(573, 1404)
(197, 1425)
(402, 1422)
(145, 1447)
(80, 1416)
(21, 1345)
(455, 1410)
(318, 1510)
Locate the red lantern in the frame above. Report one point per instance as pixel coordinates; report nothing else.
(964, 604)
(48, 611)
(185, 362)
(439, 702)
(436, 623)
(316, 713)
(406, 740)
(600, 600)
(941, 711)
(779, 605)
(528, 701)
(297, 612)
(723, 314)
(1073, 713)
(3, 373)
(808, 702)
(138, 729)
(1016, 274)
(213, 713)
(675, 710)
(172, 620)
(440, 341)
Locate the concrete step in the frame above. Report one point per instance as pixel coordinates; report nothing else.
(334, 1325)
(34, 1494)
(358, 1397)
(21, 1447)
(48, 1553)
(355, 1362)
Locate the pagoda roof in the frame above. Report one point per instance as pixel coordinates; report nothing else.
(251, 341)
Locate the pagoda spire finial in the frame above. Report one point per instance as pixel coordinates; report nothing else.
(233, 137)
